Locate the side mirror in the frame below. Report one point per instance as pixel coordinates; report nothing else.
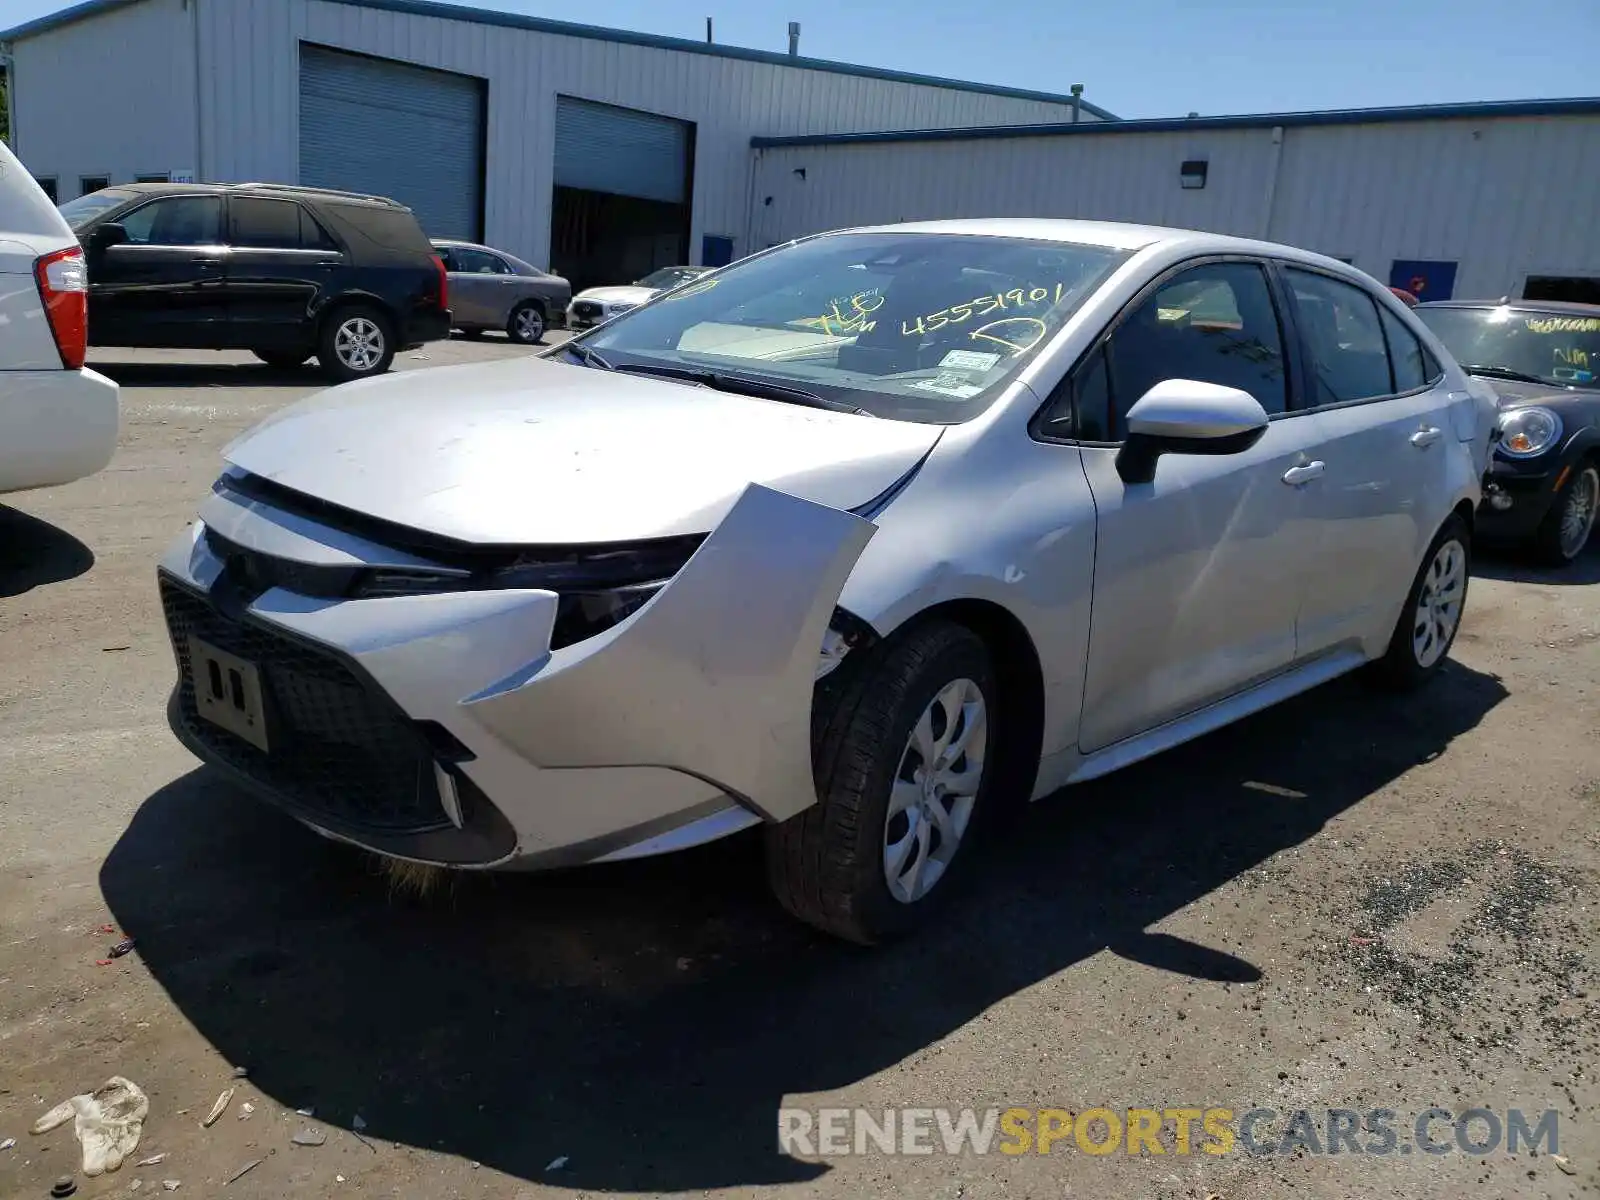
(1185, 416)
(108, 235)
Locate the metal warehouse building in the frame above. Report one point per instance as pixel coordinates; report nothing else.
(1478, 200)
(599, 152)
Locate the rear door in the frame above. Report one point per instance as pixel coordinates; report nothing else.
(281, 263)
(1199, 573)
(163, 286)
(1384, 406)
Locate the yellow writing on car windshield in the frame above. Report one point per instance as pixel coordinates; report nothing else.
(981, 306)
(1562, 324)
(1021, 333)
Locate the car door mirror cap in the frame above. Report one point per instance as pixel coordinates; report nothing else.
(112, 233)
(1188, 416)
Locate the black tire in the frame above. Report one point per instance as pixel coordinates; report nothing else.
(527, 323)
(1551, 544)
(826, 865)
(375, 333)
(283, 360)
(1402, 668)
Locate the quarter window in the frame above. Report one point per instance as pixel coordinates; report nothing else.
(176, 221)
(1405, 354)
(1214, 323)
(1339, 322)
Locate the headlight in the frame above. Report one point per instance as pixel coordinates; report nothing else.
(1527, 432)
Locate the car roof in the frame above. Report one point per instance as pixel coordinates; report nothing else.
(1567, 307)
(284, 191)
(1113, 235)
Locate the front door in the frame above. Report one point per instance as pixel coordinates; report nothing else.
(1384, 409)
(1199, 573)
(280, 265)
(163, 286)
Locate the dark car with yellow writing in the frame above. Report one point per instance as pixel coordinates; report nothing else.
(1543, 360)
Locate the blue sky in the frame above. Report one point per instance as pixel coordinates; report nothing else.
(1154, 58)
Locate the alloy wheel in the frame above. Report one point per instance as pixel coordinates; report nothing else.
(1439, 603)
(359, 343)
(935, 789)
(1578, 514)
(529, 324)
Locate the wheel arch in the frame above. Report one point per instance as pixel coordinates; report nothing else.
(1020, 676)
(347, 300)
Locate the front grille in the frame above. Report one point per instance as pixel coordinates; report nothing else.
(587, 309)
(341, 751)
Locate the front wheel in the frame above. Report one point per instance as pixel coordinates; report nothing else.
(526, 324)
(904, 756)
(1432, 614)
(1566, 528)
(356, 343)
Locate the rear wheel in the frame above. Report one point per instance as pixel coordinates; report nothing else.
(283, 360)
(1432, 615)
(1566, 528)
(356, 342)
(904, 752)
(526, 324)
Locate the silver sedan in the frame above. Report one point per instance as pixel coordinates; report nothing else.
(490, 289)
(859, 541)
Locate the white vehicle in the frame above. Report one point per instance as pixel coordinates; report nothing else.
(858, 540)
(596, 305)
(58, 419)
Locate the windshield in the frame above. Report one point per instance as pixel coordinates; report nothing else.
(1558, 347)
(668, 277)
(915, 327)
(84, 209)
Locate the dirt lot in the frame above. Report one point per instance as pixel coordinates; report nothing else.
(1350, 902)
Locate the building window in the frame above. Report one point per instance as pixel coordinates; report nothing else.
(154, 177)
(93, 183)
(48, 183)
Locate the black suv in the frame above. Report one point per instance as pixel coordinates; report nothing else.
(283, 271)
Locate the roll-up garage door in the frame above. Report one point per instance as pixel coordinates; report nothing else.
(601, 148)
(393, 129)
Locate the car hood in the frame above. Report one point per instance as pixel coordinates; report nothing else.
(617, 295)
(1510, 393)
(528, 451)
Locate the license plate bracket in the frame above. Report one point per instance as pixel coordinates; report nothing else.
(228, 693)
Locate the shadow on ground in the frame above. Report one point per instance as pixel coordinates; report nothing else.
(204, 374)
(648, 1019)
(1513, 568)
(34, 553)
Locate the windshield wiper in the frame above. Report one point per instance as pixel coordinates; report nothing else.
(1506, 373)
(589, 358)
(740, 386)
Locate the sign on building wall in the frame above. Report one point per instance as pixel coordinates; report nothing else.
(1423, 279)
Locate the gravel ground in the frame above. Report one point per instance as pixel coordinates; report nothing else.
(1352, 902)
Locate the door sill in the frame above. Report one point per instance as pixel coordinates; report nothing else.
(1214, 716)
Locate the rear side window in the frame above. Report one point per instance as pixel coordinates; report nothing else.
(1339, 322)
(1405, 354)
(263, 224)
(394, 228)
(477, 262)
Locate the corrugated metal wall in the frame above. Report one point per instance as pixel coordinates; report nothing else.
(71, 85)
(248, 48)
(1504, 197)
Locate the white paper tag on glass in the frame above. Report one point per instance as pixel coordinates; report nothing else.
(969, 360)
(949, 385)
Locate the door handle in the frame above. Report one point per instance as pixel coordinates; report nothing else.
(1425, 437)
(1300, 476)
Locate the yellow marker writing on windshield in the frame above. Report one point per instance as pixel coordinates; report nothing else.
(1038, 331)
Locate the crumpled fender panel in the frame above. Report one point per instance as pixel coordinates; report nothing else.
(713, 677)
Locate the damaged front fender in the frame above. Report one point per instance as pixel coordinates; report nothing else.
(714, 676)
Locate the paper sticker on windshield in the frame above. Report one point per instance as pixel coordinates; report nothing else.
(968, 360)
(949, 384)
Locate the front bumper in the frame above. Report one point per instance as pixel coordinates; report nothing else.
(443, 728)
(1516, 497)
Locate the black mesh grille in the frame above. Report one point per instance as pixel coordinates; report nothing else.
(586, 308)
(339, 750)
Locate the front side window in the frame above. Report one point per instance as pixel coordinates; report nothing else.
(1214, 323)
(1339, 324)
(176, 221)
(1560, 347)
(917, 327)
